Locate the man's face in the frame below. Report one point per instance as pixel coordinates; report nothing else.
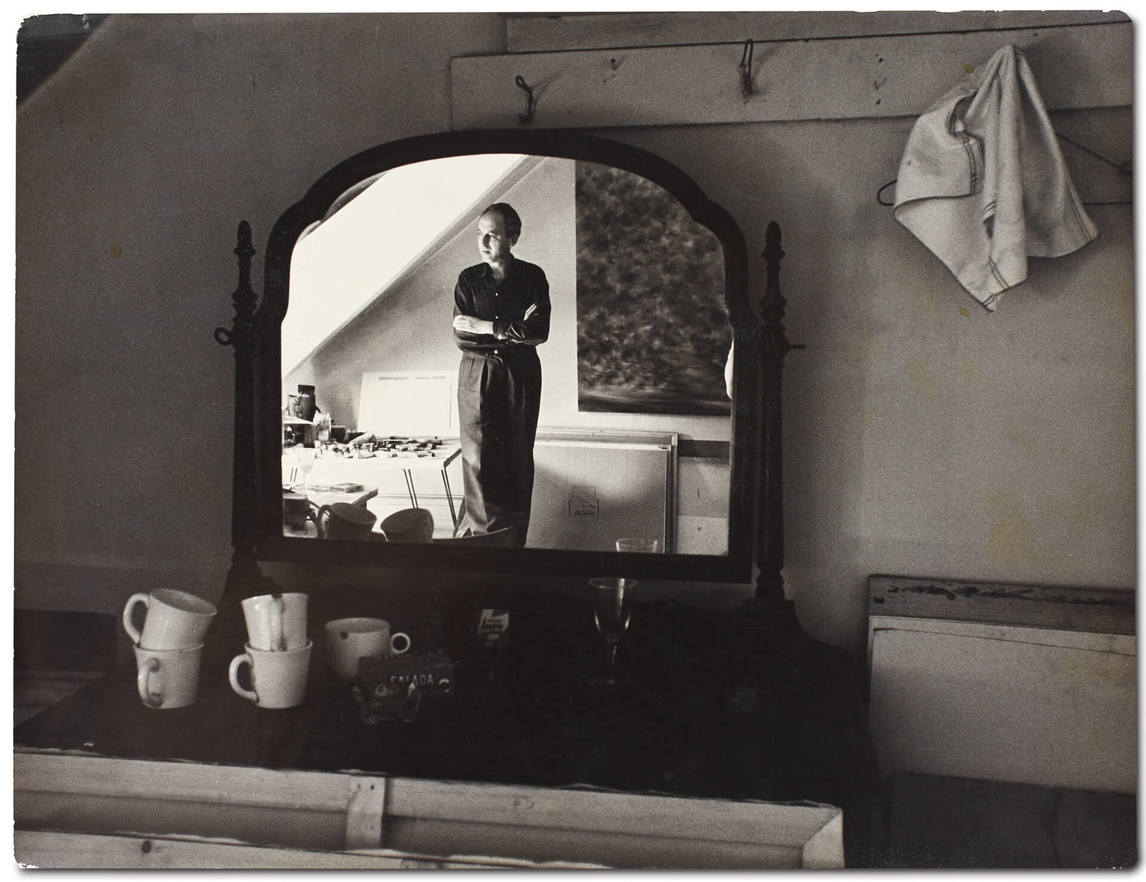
(494, 240)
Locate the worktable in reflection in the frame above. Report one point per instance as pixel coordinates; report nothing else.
(380, 473)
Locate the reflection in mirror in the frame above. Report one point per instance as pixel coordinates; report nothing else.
(633, 425)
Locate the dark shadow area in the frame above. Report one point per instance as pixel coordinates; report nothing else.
(960, 823)
(44, 42)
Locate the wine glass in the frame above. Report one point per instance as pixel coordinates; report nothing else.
(306, 466)
(612, 609)
(304, 462)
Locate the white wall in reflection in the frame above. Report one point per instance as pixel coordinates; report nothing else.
(340, 266)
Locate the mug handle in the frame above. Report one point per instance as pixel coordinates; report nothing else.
(142, 678)
(128, 624)
(318, 522)
(233, 675)
(394, 650)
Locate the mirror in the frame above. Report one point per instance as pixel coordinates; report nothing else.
(640, 452)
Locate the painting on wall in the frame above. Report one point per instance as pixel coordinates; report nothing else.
(652, 326)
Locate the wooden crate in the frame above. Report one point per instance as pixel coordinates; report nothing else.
(76, 810)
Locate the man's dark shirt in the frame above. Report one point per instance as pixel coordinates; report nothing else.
(518, 306)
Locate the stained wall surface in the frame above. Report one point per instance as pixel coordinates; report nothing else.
(922, 434)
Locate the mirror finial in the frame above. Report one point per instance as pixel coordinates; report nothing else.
(243, 298)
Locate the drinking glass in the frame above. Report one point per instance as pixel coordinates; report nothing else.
(612, 609)
(304, 457)
(641, 546)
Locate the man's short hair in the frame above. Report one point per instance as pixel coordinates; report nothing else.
(511, 217)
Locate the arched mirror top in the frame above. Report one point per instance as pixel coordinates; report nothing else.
(648, 283)
(354, 174)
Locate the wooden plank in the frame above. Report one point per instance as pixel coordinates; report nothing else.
(608, 811)
(825, 850)
(261, 825)
(535, 32)
(866, 77)
(1121, 644)
(55, 850)
(620, 850)
(1101, 610)
(364, 812)
(997, 702)
(149, 779)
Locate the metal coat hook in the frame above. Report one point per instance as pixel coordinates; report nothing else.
(746, 70)
(526, 117)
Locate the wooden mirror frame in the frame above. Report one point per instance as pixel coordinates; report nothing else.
(755, 532)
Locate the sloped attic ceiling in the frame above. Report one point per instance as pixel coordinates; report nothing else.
(379, 235)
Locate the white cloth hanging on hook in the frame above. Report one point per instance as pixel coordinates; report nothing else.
(982, 182)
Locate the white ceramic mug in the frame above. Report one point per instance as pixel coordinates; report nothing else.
(174, 619)
(278, 679)
(348, 640)
(276, 622)
(167, 678)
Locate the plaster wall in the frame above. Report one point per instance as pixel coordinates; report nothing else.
(922, 434)
(135, 163)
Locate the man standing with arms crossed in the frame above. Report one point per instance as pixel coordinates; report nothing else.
(501, 314)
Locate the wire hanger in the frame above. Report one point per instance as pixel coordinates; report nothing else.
(1124, 168)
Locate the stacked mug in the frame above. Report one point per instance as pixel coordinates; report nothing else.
(169, 646)
(277, 652)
